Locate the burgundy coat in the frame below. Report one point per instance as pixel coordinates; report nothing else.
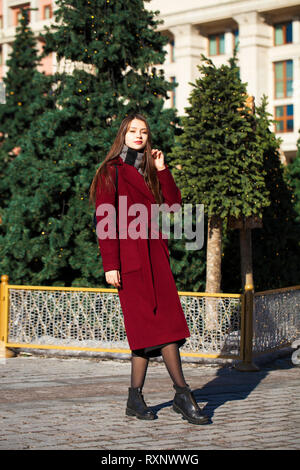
(148, 295)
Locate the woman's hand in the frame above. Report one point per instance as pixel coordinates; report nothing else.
(159, 159)
(113, 277)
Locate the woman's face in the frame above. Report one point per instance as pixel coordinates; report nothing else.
(136, 135)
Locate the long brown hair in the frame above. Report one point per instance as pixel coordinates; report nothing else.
(147, 164)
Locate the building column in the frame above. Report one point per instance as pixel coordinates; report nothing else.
(229, 42)
(255, 37)
(34, 15)
(188, 48)
(296, 30)
(6, 50)
(5, 14)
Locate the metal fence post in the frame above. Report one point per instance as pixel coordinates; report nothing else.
(247, 364)
(4, 351)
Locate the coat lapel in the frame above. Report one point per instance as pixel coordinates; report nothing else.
(134, 178)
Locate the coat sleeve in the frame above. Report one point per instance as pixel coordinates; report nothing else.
(109, 246)
(171, 193)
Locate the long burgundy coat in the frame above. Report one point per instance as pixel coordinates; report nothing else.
(148, 295)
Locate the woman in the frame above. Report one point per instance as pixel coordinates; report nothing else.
(139, 266)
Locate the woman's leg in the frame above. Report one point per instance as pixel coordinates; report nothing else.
(184, 401)
(172, 361)
(136, 405)
(139, 366)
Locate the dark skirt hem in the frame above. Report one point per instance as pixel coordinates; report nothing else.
(155, 351)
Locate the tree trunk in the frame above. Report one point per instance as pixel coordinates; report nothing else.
(246, 257)
(213, 271)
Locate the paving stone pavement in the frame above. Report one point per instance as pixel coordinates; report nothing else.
(78, 403)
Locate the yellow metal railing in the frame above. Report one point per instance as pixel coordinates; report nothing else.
(90, 319)
(234, 326)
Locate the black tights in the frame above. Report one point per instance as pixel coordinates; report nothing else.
(171, 357)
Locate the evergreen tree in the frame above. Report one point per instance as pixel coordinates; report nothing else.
(16, 114)
(218, 159)
(111, 47)
(276, 248)
(26, 92)
(188, 266)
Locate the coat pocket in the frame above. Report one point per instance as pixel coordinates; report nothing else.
(129, 256)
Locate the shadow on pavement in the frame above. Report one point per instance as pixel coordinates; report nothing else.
(229, 384)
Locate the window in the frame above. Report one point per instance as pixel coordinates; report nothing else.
(283, 72)
(284, 118)
(283, 33)
(47, 12)
(19, 17)
(216, 44)
(236, 38)
(17, 13)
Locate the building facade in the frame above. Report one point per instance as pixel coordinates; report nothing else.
(267, 33)
(10, 11)
(268, 37)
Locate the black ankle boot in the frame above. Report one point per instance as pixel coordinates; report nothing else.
(136, 405)
(185, 403)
